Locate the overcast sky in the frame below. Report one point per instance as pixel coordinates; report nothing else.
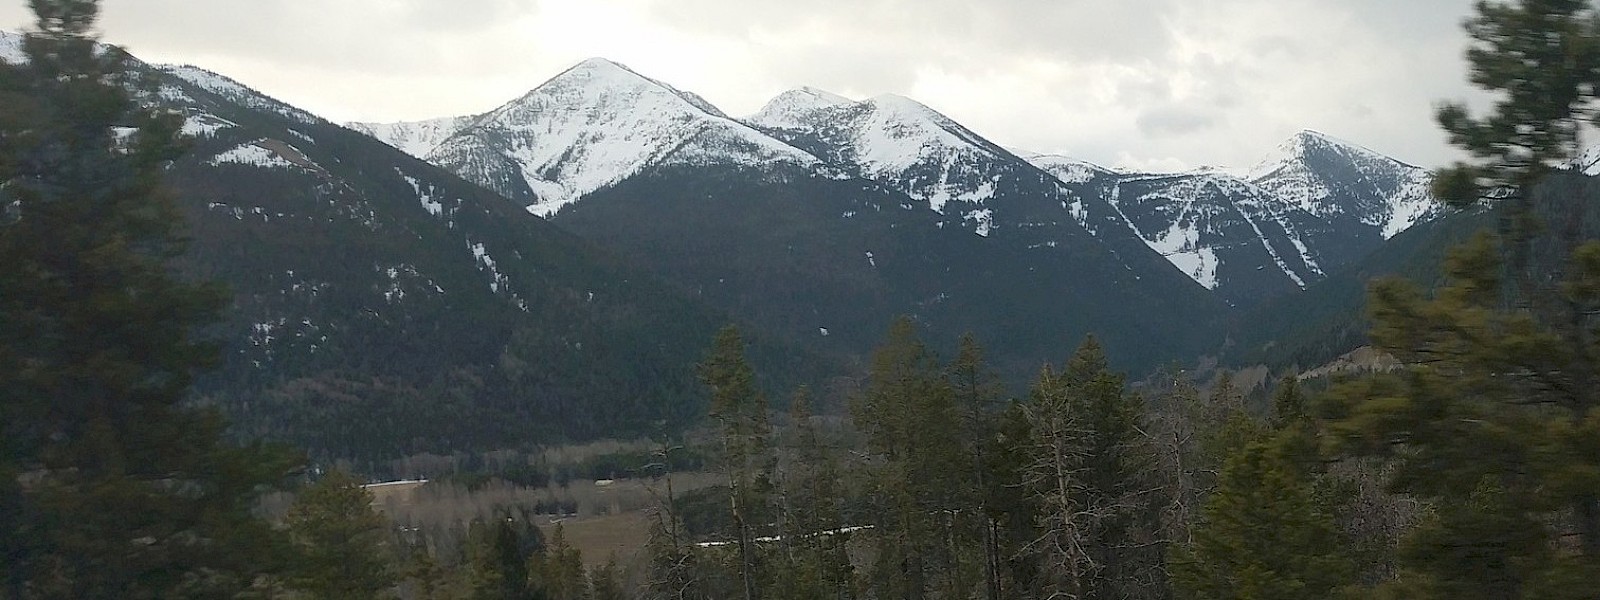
(1131, 83)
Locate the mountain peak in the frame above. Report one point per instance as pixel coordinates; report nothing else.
(1065, 168)
(1310, 145)
(592, 126)
(791, 108)
(601, 62)
(820, 95)
(1327, 176)
(599, 76)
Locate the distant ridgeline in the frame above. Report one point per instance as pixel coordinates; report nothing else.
(551, 270)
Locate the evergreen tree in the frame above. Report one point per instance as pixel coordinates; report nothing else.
(977, 391)
(1542, 59)
(1095, 477)
(1484, 408)
(498, 554)
(558, 571)
(110, 486)
(673, 569)
(741, 414)
(339, 541)
(605, 581)
(814, 561)
(911, 424)
(1262, 535)
(1492, 415)
(1014, 510)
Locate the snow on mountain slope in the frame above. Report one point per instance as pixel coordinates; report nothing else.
(1331, 178)
(594, 125)
(1070, 170)
(416, 138)
(11, 48)
(236, 92)
(1589, 162)
(1202, 220)
(794, 108)
(893, 140)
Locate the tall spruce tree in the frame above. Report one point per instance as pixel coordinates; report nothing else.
(1262, 535)
(815, 562)
(110, 486)
(558, 572)
(1095, 478)
(1269, 528)
(339, 541)
(1492, 415)
(978, 393)
(911, 425)
(498, 554)
(740, 411)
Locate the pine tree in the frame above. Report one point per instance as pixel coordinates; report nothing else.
(1492, 415)
(1095, 478)
(741, 414)
(110, 486)
(909, 418)
(1542, 58)
(673, 565)
(558, 571)
(498, 555)
(1262, 535)
(814, 562)
(339, 541)
(978, 390)
(605, 581)
(1484, 408)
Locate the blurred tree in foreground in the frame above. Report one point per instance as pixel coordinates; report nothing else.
(110, 487)
(1492, 415)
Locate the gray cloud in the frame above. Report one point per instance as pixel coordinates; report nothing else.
(1132, 81)
(1169, 121)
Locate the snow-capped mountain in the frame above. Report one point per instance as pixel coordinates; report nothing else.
(1314, 205)
(913, 149)
(416, 138)
(1335, 179)
(366, 283)
(594, 125)
(1227, 234)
